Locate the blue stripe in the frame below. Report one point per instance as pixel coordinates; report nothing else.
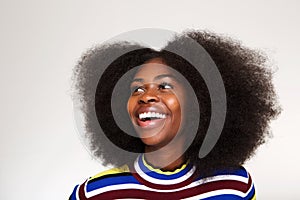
(224, 196)
(251, 193)
(162, 176)
(111, 181)
(239, 172)
(73, 195)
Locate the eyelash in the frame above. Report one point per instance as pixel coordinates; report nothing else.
(136, 88)
(163, 86)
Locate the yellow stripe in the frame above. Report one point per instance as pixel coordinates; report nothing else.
(160, 171)
(117, 170)
(254, 197)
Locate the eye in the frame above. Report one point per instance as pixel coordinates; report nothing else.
(137, 89)
(165, 85)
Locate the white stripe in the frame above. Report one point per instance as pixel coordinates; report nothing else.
(77, 192)
(216, 193)
(160, 181)
(143, 187)
(221, 192)
(133, 186)
(85, 187)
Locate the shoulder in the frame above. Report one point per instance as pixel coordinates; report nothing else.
(229, 184)
(101, 182)
(118, 171)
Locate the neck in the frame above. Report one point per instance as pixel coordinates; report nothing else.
(167, 158)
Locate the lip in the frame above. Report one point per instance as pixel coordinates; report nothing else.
(151, 124)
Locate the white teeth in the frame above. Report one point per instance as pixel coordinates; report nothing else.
(151, 114)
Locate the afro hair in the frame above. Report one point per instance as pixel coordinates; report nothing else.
(250, 98)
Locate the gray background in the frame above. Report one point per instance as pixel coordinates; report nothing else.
(42, 156)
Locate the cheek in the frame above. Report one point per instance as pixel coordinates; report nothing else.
(173, 104)
(130, 105)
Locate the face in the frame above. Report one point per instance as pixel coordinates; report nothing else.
(156, 103)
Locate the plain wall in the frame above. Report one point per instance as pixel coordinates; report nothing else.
(42, 156)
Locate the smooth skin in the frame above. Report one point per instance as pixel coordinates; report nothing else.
(156, 88)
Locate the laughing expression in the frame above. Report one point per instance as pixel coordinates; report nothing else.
(156, 103)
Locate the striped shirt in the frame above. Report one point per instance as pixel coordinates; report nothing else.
(141, 181)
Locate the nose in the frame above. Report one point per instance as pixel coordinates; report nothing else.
(149, 96)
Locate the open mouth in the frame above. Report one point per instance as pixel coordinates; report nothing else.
(151, 116)
(146, 119)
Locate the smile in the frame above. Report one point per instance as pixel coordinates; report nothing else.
(151, 116)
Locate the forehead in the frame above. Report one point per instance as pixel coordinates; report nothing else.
(153, 68)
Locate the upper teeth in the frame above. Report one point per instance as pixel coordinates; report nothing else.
(151, 114)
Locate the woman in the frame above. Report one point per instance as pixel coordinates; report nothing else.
(162, 115)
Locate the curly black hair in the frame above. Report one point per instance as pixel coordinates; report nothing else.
(250, 97)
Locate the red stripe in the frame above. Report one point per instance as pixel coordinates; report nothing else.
(81, 192)
(200, 189)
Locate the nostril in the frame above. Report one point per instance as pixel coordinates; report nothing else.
(148, 98)
(151, 100)
(141, 101)
(144, 101)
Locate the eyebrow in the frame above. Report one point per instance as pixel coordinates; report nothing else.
(156, 78)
